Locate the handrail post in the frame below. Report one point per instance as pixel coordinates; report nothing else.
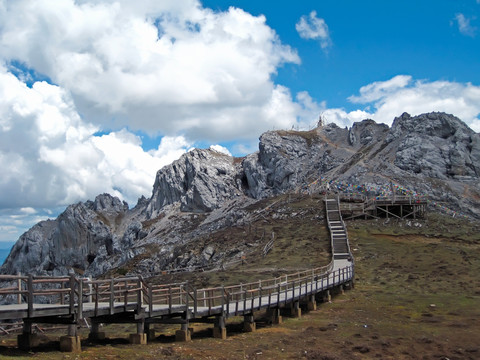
(278, 294)
(80, 298)
(72, 293)
(90, 289)
(125, 295)
(95, 286)
(112, 297)
(139, 294)
(223, 298)
(150, 299)
(19, 284)
(187, 293)
(195, 302)
(227, 295)
(244, 300)
(62, 295)
(259, 297)
(30, 295)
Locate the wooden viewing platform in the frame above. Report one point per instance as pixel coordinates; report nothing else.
(71, 300)
(393, 206)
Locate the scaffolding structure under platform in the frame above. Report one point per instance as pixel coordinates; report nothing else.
(354, 206)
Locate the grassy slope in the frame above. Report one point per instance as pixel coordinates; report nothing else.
(416, 297)
(298, 226)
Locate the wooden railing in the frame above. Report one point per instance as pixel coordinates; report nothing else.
(72, 294)
(390, 199)
(134, 293)
(251, 295)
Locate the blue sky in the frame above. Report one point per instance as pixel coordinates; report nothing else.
(373, 41)
(97, 96)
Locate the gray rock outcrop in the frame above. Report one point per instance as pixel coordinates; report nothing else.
(199, 181)
(73, 240)
(436, 144)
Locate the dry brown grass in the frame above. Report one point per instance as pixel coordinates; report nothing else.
(416, 296)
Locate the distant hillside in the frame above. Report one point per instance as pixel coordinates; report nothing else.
(206, 192)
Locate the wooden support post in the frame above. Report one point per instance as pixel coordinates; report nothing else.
(150, 332)
(326, 296)
(72, 330)
(27, 340)
(295, 310)
(312, 303)
(141, 327)
(140, 338)
(184, 334)
(249, 323)
(219, 329)
(71, 342)
(95, 333)
(27, 327)
(274, 316)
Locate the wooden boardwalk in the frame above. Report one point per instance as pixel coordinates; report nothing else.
(71, 300)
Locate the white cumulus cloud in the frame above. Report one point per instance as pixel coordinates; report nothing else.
(164, 67)
(344, 118)
(51, 157)
(403, 94)
(220, 149)
(314, 28)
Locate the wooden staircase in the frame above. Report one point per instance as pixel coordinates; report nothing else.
(338, 230)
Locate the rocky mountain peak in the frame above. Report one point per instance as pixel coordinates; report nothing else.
(433, 154)
(437, 124)
(198, 181)
(436, 144)
(366, 131)
(106, 203)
